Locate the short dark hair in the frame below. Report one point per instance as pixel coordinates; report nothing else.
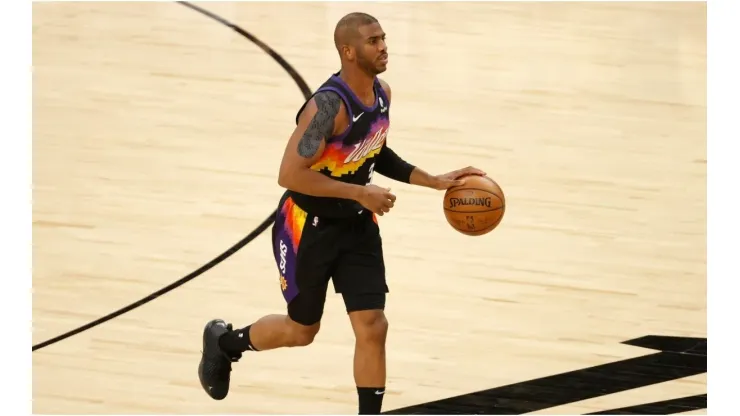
(347, 28)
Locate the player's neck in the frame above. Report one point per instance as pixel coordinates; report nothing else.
(360, 82)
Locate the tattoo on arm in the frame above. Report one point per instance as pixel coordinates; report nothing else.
(321, 125)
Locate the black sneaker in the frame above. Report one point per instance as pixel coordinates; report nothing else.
(214, 370)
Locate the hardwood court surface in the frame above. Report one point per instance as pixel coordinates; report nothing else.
(157, 135)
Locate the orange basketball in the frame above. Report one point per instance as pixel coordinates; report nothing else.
(475, 208)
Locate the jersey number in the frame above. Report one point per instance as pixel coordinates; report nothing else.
(370, 175)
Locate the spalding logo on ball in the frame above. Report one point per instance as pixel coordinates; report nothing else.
(475, 208)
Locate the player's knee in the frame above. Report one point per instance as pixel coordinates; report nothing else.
(303, 335)
(371, 327)
(304, 317)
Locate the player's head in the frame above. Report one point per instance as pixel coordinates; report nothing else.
(360, 41)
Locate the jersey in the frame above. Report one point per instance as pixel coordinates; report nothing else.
(350, 156)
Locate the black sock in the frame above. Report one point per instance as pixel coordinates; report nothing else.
(236, 341)
(371, 399)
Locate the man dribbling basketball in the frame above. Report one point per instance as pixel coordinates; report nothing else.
(326, 226)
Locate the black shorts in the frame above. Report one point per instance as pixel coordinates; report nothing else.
(310, 250)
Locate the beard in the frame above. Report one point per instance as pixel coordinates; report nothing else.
(368, 66)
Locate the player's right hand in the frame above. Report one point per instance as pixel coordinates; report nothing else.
(376, 199)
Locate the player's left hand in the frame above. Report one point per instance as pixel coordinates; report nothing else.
(456, 177)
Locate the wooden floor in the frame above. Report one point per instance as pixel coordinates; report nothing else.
(157, 135)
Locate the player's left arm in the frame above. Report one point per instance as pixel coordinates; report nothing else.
(390, 165)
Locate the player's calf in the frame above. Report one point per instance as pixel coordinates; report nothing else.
(268, 333)
(371, 329)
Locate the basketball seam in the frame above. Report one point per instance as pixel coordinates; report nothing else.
(474, 189)
(479, 231)
(473, 212)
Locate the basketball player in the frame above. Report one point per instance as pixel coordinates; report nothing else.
(326, 226)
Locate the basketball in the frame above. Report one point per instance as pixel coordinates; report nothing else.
(475, 208)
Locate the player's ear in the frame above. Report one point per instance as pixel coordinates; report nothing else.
(349, 52)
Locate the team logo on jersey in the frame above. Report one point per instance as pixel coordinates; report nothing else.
(366, 146)
(342, 159)
(283, 283)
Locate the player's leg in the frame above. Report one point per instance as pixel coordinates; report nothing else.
(222, 345)
(370, 327)
(303, 257)
(297, 328)
(304, 274)
(360, 278)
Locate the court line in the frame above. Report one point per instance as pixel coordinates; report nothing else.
(305, 90)
(664, 407)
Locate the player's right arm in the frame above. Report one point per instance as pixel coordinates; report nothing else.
(320, 119)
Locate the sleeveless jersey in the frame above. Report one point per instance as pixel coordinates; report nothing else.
(350, 156)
